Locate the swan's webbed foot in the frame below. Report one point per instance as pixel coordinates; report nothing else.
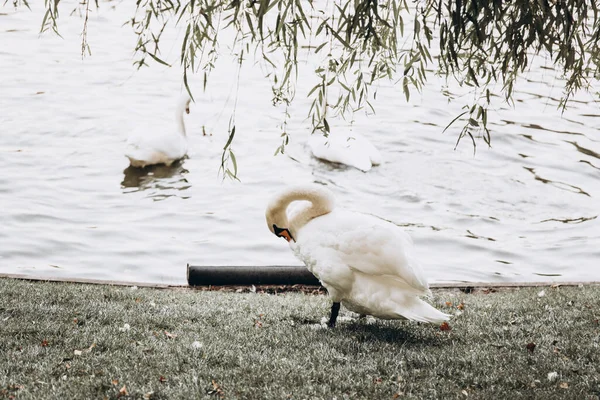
(335, 309)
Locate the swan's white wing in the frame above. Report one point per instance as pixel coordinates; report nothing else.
(140, 157)
(340, 149)
(370, 149)
(155, 148)
(359, 242)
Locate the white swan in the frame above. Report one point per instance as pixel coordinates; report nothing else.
(351, 149)
(364, 262)
(147, 147)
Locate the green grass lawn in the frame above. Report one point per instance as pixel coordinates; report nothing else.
(76, 341)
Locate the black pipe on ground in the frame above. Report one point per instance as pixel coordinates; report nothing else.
(249, 275)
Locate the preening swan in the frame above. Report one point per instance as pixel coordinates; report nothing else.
(351, 149)
(150, 147)
(364, 262)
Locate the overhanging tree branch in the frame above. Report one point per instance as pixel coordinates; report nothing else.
(477, 43)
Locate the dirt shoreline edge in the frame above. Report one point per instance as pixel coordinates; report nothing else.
(465, 286)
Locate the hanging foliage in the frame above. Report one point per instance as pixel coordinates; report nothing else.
(477, 43)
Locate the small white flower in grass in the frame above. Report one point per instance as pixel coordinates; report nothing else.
(552, 376)
(134, 288)
(197, 345)
(152, 304)
(541, 293)
(125, 328)
(321, 325)
(77, 352)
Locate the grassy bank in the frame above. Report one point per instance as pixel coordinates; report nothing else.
(75, 341)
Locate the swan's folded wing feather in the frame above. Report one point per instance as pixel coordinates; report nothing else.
(380, 248)
(339, 150)
(155, 147)
(362, 243)
(142, 157)
(374, 154)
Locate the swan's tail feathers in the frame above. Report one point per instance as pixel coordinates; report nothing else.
(134, 162)
(142, 158)
(421, 311)
(362, 163)
(375, 156)
(340, 150)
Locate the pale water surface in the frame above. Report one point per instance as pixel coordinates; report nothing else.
(524, 210)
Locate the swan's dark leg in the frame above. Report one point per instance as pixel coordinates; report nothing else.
(335, 309)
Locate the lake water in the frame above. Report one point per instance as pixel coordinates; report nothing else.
(524, 210)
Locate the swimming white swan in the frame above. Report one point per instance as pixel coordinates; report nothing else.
(351, 149)
(148, 148)
(364, 262)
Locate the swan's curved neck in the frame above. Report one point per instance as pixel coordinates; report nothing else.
(321, 202)
(179, 117)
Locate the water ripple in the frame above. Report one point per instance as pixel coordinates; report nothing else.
(72, 208)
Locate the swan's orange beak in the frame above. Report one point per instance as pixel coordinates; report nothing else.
(286, 235)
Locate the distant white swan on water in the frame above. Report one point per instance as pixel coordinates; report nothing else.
(351, 149)
(365, 263)
(148, 147)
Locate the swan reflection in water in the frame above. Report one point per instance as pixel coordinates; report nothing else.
(160, 181)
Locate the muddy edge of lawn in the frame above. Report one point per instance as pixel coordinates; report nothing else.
(72, 340)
